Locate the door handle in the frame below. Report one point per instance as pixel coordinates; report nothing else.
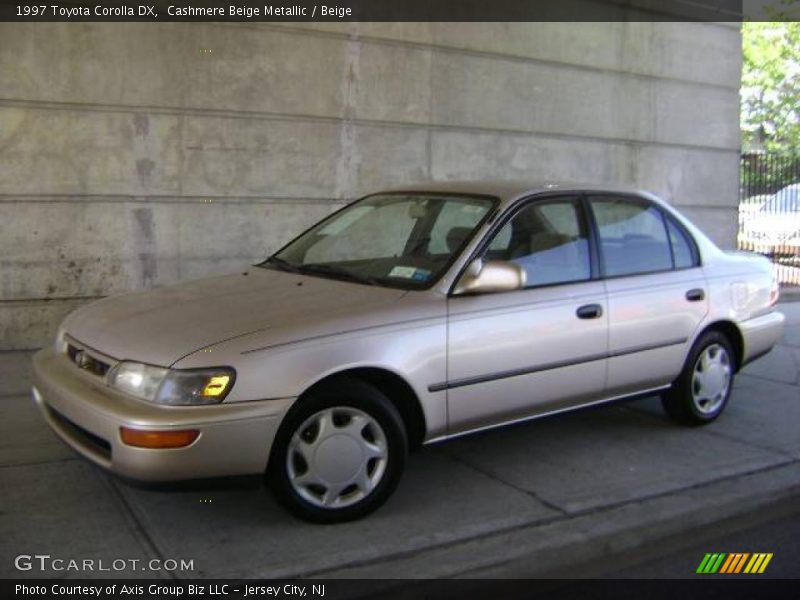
(695, 295)
(590, 311)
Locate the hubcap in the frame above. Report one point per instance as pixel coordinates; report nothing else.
(711, 379)
(337, 457)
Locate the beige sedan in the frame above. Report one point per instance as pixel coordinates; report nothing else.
(409, 317)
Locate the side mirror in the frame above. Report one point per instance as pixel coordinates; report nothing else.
(491, 276)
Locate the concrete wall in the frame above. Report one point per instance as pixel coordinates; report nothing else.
(136, 155)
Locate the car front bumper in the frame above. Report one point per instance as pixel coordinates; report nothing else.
(235, 438)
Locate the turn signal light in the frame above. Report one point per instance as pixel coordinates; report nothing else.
(216, 385)
(143, 438)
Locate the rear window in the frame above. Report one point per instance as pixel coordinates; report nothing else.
(633, 236)
(682, 248)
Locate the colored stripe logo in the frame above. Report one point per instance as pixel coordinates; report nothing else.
(734, 563)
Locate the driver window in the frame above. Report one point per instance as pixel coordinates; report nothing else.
(548, 240)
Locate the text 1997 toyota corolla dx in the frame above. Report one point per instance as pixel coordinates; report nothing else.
(408, 317)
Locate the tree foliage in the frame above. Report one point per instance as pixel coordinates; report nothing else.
(771, 86)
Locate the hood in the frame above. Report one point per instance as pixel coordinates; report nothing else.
(161, 326)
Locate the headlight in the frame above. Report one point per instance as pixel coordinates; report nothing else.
(173, 387)
(137, 379)
(195, 386)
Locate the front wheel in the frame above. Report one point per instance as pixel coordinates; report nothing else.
(702, 390)
(339, 453)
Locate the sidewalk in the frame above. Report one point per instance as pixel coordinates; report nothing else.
(523, 501)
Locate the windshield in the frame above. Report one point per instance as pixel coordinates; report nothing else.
(402, 240)
(786, 200)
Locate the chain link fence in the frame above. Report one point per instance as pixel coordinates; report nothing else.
(769, 210)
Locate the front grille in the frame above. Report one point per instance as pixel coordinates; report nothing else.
(87, 439)
(86, 361)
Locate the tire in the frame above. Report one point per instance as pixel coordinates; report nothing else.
(702, 390)
(339, 453)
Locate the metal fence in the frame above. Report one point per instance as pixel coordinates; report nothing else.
(769, 211)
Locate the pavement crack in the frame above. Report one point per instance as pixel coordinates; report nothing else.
(763, 378)
(757, 446)
(687, 488)
(321, 572)
(36, 463)
(725, 436)
(494, 477)
(137, 526)
(796, 360)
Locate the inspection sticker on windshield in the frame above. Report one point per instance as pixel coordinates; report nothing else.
(404, 272)
(410, 273)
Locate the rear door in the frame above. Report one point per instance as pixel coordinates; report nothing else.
(657, 294)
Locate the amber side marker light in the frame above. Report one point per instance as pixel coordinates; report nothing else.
(143, 438)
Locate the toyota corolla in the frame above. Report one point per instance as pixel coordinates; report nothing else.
(408, 317)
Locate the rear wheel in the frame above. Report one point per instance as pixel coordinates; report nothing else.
(702, 390)
(339, 453)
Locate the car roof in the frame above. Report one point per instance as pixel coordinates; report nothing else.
(509, 190)
(794, 187)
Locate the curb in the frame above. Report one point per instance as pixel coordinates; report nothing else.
(547, 548)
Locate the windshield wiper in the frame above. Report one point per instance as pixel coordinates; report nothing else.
(284, 265)
(337, 272)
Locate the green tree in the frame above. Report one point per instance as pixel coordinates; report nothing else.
(771, 86)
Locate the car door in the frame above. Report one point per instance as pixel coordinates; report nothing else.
(657, 293)
(540, 349)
